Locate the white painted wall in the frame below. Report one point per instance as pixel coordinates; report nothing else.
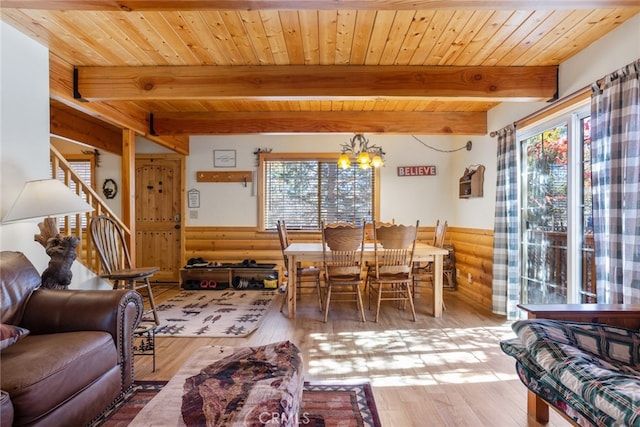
(404, 199)
(24, 132)
(24, 142)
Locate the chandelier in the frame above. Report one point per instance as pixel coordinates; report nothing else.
(365, 155)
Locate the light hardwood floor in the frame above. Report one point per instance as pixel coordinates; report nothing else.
(434, 372)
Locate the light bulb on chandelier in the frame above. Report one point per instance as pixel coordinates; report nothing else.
(365, 155)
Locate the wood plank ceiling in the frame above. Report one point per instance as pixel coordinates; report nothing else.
(169, 69)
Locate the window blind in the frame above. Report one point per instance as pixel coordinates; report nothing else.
(304, 193)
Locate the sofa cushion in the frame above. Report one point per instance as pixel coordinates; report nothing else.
(19, 278)
(10, 335)
(42, 371)
(610, 343)
(598, 364)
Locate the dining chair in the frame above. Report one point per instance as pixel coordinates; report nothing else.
(306, 277)
(424, 273)
(369, 237)
(108, 238)
(392, 276)
(342, 253)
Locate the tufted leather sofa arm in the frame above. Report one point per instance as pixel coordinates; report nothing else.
(117, 312)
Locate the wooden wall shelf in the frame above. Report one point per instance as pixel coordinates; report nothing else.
(472, 182)
(237, 176)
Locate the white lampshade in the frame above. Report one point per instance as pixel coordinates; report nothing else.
(45, 198)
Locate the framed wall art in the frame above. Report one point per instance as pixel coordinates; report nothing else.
(193, 198)
(224, 158)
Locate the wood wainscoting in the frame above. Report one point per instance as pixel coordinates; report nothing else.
(474, 256)
(473, 251)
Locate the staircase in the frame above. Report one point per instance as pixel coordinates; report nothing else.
(77, 225)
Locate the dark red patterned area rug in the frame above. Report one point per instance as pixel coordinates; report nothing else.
(323, 405)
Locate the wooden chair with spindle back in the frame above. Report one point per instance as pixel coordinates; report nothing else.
(342, 251)
(392, 274)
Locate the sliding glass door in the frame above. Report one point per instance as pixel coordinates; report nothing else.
(556, 250)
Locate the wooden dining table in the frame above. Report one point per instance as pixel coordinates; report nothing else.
(312, 253)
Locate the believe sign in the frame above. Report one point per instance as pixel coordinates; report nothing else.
(416, 170)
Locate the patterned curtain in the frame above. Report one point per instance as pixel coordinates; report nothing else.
(506, 286)
(615, 154)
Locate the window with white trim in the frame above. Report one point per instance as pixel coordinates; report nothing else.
(306, 191)
(556, 243)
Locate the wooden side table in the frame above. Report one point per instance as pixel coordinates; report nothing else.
(623, 315)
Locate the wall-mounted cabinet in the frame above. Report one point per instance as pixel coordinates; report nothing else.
(471, 182)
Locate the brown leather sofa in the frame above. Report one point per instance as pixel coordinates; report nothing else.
(76, 359)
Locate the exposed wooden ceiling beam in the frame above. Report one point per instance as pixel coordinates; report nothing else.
(432, 123)
(186, 5)
(294, 82)
(61, 89)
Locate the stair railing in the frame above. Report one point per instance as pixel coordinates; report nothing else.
(77, 224)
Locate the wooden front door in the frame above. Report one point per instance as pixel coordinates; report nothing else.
(159, 221)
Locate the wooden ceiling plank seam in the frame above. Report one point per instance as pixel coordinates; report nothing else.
(537, 35)
(598, 23)
(477, 49)
(304, 105)
(177, 53)
(489, 57)
(445, 41)
(254, 28)
(325, 106)
(328, 36)
(177, 33)
(118, 46)
(310, 34)
(22, 21)
(148, 31)
(539, 44)
(130, 36)
(465, 37)
(91, 41)
(292, 36)
(64, 42)
(208, 42)
(363, 32)
(379, 36)
(438, 25)
(397, 35)
(275, 36)
(344, 36)
(357, 105)
(314, 105)
(163, 5)
(233, 25)
(515, 37)
(415, 33)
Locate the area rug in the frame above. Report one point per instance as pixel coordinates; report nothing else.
(323, 405)
(214, 314)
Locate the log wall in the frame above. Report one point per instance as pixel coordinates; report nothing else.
(473, 251)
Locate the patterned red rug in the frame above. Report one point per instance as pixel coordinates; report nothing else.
(323, 405)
